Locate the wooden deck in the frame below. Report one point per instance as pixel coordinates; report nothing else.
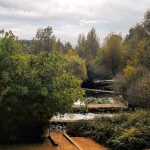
(88, 144)
(103, 106)
(100, 91)
(106, 106)
(105, 81)
(64, 143)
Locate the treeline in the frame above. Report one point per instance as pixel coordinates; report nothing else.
(45, 40)
(104, 61)
(101, 61)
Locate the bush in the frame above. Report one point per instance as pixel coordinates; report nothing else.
(125, 131)
(139, 92)
(134, 85)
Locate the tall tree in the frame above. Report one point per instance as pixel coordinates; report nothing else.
(92, 43)
(67, 47)
(88, 46)
(81, 46)
(44, 40)
(112, 53)
(87, 49)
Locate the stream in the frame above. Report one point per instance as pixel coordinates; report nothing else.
(78, 117)
(94, 99)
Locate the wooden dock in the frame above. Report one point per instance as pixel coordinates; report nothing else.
(62, 142)
(100, 91)
(65, 142)
(102, 107)
(104, 81)
(106, 106)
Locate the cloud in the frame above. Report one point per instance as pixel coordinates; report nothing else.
(71, 17)
(91, 22)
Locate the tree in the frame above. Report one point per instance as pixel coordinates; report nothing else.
(88, 46)
(87, 49)
(8, 47)
(26, 44)
(76, 65)
(134, 83)
(44, 40)
(81, 46)
(67, 47)
(138, 37)
(33, 89)
(112, 53)
(92, 43)
(139, 92)
(9, 43)
(146, 22)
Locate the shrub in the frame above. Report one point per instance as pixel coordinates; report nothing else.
(134, 85)
(125, 131)
(139, 92)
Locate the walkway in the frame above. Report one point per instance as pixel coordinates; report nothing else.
(64, 143)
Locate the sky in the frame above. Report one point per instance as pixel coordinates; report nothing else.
(69, 18)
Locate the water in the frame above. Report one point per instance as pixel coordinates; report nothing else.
(86, 116)
(77, 117)
(79, 103)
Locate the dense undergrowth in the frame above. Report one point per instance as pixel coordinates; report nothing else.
(123, 132)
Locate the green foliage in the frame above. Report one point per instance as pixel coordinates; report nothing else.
(107, 61)
(26, 44)
(77, 66)
(33, 88)
(134, 83)
(45, 40)
(8, 43)
(113, 53)
(125, 131)
(87, 48)
(139, 92)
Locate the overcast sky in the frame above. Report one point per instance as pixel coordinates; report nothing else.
(71, 17)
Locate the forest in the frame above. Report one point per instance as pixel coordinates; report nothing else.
(42, 77)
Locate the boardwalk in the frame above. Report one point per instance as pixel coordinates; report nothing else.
(64, 143)
(103, 106)
(105, 81)
(76, 143)
(106, 106)
(88, 144)
(100, 91)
